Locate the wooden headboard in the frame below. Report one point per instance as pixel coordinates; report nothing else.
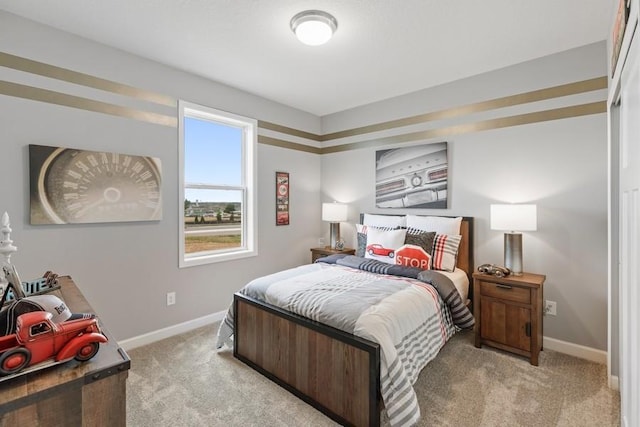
(465, 250)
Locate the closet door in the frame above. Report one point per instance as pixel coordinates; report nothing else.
(630, 237)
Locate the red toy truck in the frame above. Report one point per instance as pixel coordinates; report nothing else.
(38, 339)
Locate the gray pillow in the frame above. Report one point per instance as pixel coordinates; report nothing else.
(424, 239)
(362, 244)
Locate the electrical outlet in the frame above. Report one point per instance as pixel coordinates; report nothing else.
(321, 241)
(550, 308)
(171, 298)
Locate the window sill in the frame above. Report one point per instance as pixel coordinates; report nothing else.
(192, 261)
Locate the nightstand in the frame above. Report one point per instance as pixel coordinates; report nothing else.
(322, 252)
(508, 312)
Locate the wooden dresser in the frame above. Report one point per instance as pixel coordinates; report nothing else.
(71, 394)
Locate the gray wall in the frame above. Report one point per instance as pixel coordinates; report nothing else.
(560, 165)
(126, 269)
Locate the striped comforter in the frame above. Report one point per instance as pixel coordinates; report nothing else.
(407, 317)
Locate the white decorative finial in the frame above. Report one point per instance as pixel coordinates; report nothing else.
(6, 247)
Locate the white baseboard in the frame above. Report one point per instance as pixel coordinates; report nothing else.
(180, 328)
(577, 350)
(614, 383)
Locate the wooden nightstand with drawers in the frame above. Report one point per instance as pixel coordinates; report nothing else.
(326, 251)
(508, 312)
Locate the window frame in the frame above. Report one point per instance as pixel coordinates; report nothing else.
(248, 186)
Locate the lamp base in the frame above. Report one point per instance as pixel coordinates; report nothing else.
(513, 253)
(334, 233)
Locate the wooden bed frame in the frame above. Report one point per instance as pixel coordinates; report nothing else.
(336, 372)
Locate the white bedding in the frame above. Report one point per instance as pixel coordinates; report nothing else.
(406, 317)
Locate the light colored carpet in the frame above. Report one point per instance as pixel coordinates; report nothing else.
(183, 381)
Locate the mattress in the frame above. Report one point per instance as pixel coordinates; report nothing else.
(460, 281)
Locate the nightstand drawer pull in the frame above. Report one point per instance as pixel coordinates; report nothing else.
(505, 291)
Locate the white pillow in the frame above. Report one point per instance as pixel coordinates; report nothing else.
(439, 224)
(382, 244)
(391, 221)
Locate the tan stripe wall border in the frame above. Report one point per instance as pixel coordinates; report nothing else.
(47, 70)
(52, 97)
(568, 89)
(287, 144)
(64, 74)
(289, 131)
(44, 95)
(492, 104)
(522, 119)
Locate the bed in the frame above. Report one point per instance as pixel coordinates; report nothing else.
(343, 363)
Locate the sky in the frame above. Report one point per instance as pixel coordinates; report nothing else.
(213, 155)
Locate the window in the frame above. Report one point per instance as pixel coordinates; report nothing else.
(39, 329)
(217, 169)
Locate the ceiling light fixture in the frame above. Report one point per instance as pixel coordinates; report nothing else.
(313, 27)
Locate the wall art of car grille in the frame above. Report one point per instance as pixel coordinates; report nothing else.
(412, 177)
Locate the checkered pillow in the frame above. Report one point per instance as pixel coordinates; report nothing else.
(445, 252)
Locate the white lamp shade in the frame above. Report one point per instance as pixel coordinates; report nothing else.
(514, 217)
(314, 27)
(334, 212)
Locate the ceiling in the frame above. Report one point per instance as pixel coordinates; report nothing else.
(382, 48)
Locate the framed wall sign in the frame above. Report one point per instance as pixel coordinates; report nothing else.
(282, 198)
(71, 186)
(618, 33)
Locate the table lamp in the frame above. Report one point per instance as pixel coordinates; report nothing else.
(513, 219)
(334, 213)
